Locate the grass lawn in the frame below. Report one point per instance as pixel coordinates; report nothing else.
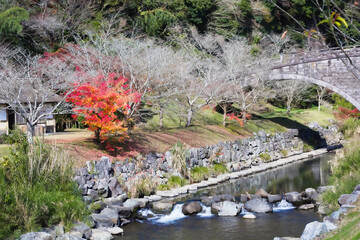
(302, 116)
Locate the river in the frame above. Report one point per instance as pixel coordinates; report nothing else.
(283, 222)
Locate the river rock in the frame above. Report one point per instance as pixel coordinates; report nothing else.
(142, 201)
(36, 236)
(68, 237)
(357, 189)
(76, 234)
(100, 234)
(348, 199)
(59, 230)
(102, 220)
(207, 200)
(316, 229)
(83, 229)
(294, 198)
(258, 206)
(132, 204)
(262, 193)
(249, 216)
(191, 208)
(162, 206)
(215, 207)
(274, 198)
(306, 206)
(115, 230)
(229, 209)
(309, 192)
(121, 210)
(112, 214)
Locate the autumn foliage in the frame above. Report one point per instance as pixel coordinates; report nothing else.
(103, 103)
(238, 118)
(345, 113)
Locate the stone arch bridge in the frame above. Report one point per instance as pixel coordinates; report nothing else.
(335, 69)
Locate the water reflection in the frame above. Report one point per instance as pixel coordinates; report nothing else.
(294, 177)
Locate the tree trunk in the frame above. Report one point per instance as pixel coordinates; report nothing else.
(97, 135)
(224, 116)
(288, 109)
(244, 117)
(30, 133)
(319, 103)
(161, 116)
(189, 117)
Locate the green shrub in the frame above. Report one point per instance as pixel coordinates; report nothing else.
(179, 154)
(218, 169)
(199, 173)
(349, 126)
(307, 147)
(145, 187)
(36, 188)
(265, 157)
(173, 182)
(284, 153)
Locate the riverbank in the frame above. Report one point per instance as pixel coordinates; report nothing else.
(234, 175)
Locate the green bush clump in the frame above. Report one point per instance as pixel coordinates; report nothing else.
(36, 188)
(284, 153)
(145, 187)
(307, 147)
(173, 182)
(199, 173)
(218, 169)
(265, 157)
(349, 126)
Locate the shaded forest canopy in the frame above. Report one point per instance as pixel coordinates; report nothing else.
(45, 25)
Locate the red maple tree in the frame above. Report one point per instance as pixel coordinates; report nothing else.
(103, 102)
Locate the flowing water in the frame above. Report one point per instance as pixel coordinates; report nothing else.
(284, 221)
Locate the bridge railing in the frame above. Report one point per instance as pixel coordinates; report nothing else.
(295, 58)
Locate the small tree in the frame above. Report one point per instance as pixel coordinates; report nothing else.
(103, 102)
(29, 83)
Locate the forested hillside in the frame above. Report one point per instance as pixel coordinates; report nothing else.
(46, 25)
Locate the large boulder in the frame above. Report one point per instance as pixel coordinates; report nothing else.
(274, 198)
(162, 206)
(121, 210)
(309, 192)
(132, 204)
(191, 208)
(258, 206)
(107, 218)
(114, 187)
(348, 199)
(294, 198)
(102, 168)
(262, 193)
(229, 209)
(36, 236)
(83, 229)
(316, 229)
